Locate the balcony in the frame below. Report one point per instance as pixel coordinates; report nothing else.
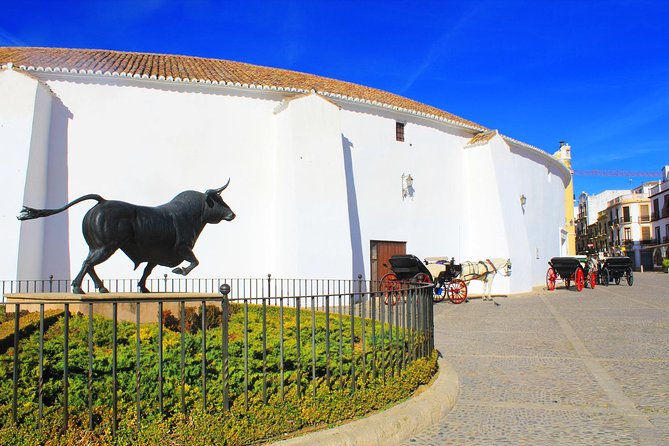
(662, 187)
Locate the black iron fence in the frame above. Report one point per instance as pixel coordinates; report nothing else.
(100, 356)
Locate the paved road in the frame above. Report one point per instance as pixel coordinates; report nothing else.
(559, 368)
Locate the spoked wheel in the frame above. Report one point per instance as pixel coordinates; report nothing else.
(551, 277)
(605, 277)
(579, 279)
(629, 275)
(422, 278)
(593, 279)
(390, 286)
(457, 291)
(440, 291)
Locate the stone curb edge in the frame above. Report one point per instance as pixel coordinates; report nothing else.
(396, 424)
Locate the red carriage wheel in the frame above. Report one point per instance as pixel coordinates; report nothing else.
(422, 278)
(593, 279)
(390, 284)
(579, 279)
(551, 277)
(457, 291)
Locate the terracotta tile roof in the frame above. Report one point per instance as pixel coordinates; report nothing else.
(202, 70)
(481, 138)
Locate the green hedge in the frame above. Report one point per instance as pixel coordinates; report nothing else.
(28, 324)
(236, 427)
(319, 406)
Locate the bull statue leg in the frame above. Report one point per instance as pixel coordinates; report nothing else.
(141, 285)
(188, 256)
(95, 257)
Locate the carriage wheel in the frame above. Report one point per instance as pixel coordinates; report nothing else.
(457, 291)
(593, 280)
(390, 284)
(630, 276)
(580, 279)
(605, 277)
(550, 279)
(422, 278)
(439, 293)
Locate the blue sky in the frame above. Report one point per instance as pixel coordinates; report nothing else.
(592, 73)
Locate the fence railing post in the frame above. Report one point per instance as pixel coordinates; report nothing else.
(225, 318)
(402, 329)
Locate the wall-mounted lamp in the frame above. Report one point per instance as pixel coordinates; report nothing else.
(523, 201)
(407, 186)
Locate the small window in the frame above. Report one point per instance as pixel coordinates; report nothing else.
(399, 131)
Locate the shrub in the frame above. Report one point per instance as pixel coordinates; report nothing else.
(308, 399)
(28, 323)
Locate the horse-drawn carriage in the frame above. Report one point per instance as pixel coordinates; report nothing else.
(615, 268)
(578, 269)
(446, 279)
(436, 270)
(405, 268)
(449, 279)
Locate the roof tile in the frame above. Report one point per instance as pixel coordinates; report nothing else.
(213, 70)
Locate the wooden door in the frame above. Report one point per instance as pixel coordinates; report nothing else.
(380, 252)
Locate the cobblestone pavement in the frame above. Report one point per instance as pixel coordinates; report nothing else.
(559, 368)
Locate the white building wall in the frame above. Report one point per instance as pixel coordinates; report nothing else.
(313, 181)
(145, 145)
(428, 219)
(24, 131)
(543, 185)
(311, 222)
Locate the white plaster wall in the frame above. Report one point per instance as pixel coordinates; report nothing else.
(311, 222)
(429, 220)
(24, 130)
(312, 181)
(144, 145)
(543, 185)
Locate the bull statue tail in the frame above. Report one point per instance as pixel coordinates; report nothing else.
(28, 213)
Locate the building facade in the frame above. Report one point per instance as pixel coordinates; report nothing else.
(588, 221)
(319, 168)
(629, 223)
(617, 222)
(659, 200)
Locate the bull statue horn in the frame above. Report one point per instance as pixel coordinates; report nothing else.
(219, 190)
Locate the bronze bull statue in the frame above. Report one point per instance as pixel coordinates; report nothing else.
(163, 235)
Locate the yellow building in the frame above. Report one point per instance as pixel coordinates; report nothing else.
(564, 154)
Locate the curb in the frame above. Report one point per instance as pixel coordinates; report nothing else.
(396, 424)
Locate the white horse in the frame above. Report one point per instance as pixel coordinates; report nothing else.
(485, 271)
